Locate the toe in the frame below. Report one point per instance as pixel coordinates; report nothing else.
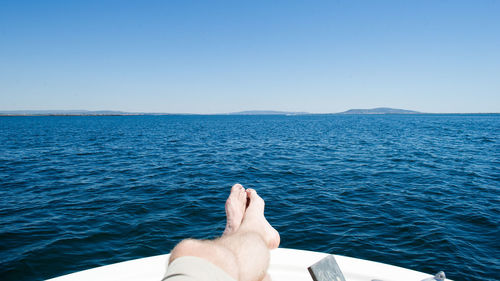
(251, 192)
(235, 191)
(242, 195)
(236, 187)
(252, 195)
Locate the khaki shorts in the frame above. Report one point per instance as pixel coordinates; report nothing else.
(194, 269)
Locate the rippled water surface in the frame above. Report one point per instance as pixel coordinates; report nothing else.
(418, 191)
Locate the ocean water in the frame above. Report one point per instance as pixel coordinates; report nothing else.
(417, 191)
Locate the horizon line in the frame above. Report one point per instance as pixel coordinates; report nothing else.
(84, 112)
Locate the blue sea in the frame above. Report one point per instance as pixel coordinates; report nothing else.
(417, 191)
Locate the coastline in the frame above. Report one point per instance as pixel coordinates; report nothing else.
(231, 114)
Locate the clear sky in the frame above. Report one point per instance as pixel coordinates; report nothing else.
(224, 56)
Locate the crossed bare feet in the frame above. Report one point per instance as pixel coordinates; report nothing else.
(245, 209)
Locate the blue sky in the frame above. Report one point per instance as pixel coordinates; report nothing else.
(225, 56)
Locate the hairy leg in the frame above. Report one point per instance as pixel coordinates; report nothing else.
(210, 250)
(251, 252)
(242, 252)
(244, 256)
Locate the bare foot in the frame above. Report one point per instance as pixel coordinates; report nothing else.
(235, 208)
(254, 220)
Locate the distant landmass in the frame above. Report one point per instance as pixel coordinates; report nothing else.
(64, 112)
(380, 110)
(111, 112)
(267, 112)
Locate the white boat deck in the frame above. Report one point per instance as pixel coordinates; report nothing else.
(286, 265)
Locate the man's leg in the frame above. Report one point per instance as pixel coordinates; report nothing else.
(243, 249)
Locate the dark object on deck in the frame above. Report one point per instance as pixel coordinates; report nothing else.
(326, 269)
(440, 276)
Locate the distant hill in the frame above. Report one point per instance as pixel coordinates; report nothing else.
(267, 112)
(111, 112)
(63, 112)
(379, 110)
